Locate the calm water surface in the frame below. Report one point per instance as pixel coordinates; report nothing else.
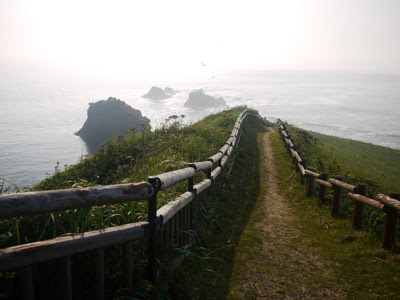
(38, 120)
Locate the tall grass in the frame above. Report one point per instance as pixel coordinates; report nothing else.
(131, 158)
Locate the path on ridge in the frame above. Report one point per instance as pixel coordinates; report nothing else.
(286, 266)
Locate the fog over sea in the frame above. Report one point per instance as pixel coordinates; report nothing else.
(38, 119)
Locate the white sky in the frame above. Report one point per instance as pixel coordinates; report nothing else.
(167, 37)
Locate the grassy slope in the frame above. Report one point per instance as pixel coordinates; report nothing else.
(369, 271)
(131, 159)
(368, 160)
(361, 265)
(359, 161)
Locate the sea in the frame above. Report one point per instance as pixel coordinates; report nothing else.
(38, 118)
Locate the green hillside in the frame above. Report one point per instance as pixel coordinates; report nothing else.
(358, 161)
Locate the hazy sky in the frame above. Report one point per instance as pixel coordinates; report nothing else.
(169, 37)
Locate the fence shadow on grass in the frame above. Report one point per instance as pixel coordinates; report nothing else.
(242, 189)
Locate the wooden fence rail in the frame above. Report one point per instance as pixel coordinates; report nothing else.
(163, 227)
(390, 204)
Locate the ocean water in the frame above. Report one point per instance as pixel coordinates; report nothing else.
(38, 119)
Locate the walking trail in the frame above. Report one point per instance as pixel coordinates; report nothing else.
(287, 266)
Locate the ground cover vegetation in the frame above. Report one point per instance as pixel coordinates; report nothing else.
(131, 158)
(212, 265)
(238, 205)
(361, 265)
(356, 162)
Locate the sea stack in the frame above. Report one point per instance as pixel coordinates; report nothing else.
(107, 118)
(157, 93)
(200, 101)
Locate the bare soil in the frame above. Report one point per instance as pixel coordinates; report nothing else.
(288, 266)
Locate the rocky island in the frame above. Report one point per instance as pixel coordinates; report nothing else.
(157, 93)
(200, 101)
(110, 117)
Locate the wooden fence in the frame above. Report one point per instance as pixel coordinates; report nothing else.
(390, 204)
(161, 227)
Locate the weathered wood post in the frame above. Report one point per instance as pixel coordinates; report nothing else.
(391, 223)
(187, 227)
(322, 188)
(189, 209)
(66, 278)
(209, 173)
(100, 274)
(185, 223)
(27, 283)
(289, 137)
(310, 183)
(172, 230)
(128, 265)
(152, 240)
(166, 234)
(337, 195)
(304, 163)
(192, 206)
(180, 227)
(359, 206)
(294, 159)
(297, 163)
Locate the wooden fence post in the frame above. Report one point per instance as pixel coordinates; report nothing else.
(166, 235)
(304, 163)
(100, 274)
(128, 265)
(192, 212)
(160, 235)
(180, 227)
(337, 195)
(289, 137)
(152, 240)
(391, 223)
(322, 189)
(310, 183)
(359, 207)
(294, 159)
(66, 278)
(172, 230)
(297, 165)
(27, 283)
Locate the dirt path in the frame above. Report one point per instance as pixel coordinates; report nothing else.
(286, 266)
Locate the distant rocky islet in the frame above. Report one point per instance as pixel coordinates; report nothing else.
(113, 117)
(108, 118)
(197, 99)
(157, 93)
(200, 101)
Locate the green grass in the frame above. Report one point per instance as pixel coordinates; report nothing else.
(213, 265)
(128, 159)
(132, 158)
(236, 207)
(358, 161)
(359, 267)
(368, 271)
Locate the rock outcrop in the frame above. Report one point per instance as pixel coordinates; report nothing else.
(157, 93)
(198, 100)
(110, 117)
(169, 91)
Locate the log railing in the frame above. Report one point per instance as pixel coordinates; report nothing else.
(161, 228)
(390, 204)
